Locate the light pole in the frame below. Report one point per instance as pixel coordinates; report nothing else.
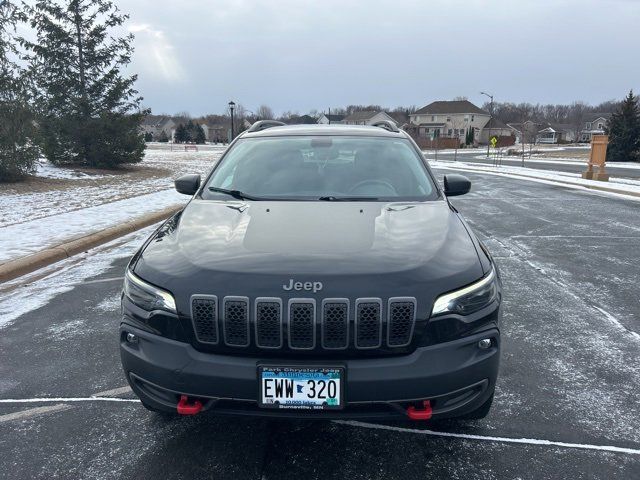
(231, 107)
(490, 118)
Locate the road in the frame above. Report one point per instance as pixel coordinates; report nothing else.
(559, 165)
(570, 370)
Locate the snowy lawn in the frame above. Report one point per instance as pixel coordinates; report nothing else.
(61, 203)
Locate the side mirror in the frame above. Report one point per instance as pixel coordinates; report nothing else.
(456, 185)
(188, 184)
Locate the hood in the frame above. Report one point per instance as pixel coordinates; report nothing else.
(354, 248)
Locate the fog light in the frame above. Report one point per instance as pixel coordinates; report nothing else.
(484, 343)
(131, 338)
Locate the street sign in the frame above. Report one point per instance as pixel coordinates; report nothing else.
(494, 141)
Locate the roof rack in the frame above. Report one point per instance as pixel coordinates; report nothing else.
(264, 124)
(387, 125)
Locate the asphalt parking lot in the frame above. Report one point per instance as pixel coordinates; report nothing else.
(567, 401)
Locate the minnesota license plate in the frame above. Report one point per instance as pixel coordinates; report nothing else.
(301, 388)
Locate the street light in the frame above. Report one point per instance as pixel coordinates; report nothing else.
(490, 118)
(231, 107)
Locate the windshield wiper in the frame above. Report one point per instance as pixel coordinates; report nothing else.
(331, 198)
(234, 193)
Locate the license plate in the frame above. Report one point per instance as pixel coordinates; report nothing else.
(301, 388)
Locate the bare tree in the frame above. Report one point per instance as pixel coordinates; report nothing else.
(264, 112)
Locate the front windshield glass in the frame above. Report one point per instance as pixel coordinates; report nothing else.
(322, 168)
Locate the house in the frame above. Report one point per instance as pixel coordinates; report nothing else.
(595, 125)
(530, 129)
(215, 133)
(330, 118)
(495, 128)
(449, 119)
(301, 120)
(401, 118)
(157, 124)
(556, 133)
(367, 117)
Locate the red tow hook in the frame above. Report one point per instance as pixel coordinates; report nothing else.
(423, 414)
(186, 408)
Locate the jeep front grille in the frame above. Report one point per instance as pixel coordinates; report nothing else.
(335, 324)
(368, 323)
(302, 324)
(269, 322)
(204, 313)
(235, 320)
(265, 323)
(402, 317)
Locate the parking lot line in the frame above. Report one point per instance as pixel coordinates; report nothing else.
(33, 412)
(526, 441)
(113, 392)
(67, 399)
(351, 423)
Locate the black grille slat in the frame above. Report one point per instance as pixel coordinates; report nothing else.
(268, 324)
(236, 322)
(335, 325)
(302, 325)
(401, 321)
(368, 324)
(204, 313)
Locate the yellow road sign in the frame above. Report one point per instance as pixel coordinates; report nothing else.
(494, 141)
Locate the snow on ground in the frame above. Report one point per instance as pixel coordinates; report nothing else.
(572, 180)
(45, 169)
(564, 161)
(29, 237)
(32, 221)
(74, 270)
(84, 191)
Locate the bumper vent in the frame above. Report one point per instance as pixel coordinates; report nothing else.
(204, 313)
(302, 324)
(236, 321)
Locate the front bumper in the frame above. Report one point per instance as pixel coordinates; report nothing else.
(456, 376)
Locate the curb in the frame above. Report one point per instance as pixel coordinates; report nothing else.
(30, 263)
(592, 187)
(556, 181)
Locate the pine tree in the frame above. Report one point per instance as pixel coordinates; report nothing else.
(18, 153)
(89, 112)
(181, 135)
(624, 131)
(199, 137)
(163, 137)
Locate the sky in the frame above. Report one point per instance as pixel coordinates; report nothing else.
(301, 55)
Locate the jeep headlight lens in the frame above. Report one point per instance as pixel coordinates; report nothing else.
(469, 299)
(147, 296)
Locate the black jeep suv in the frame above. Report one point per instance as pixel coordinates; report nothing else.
(318, 271)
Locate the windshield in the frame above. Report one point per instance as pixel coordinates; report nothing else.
(322, 168)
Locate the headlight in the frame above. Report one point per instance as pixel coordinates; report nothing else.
(147, 296)
(469, 299)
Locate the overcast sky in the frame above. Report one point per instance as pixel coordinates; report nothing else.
(300, 55)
